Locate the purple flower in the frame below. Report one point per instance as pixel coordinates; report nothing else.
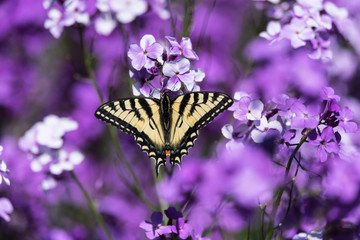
(297, 32)
(325, 143)
(182, 228)
(154, 228)
(178, 72)
(328, 93)
(5, 208)
(285, 141)
(247, 109)
(321, 50)
(141, 86)
(145, 54)
(345, 117)
(184, 48)
(306, 116)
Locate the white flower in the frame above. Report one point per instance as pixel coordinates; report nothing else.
(50, 132)
(3, 172)
(315, 4)
(5, 208)
(48, 3)
(75, 13)
(227, 131)
(127, 10)
(40, 161)
(335, 12)
(158, 6)
(103, 5)
(105, 24)
(66, 162)
(273, 30)
(259, 134)
(55, 22)
(48, 184)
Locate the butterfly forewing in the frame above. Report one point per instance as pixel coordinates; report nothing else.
(191, 112)
(138, 117)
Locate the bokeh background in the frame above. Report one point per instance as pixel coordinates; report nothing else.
(42, 74)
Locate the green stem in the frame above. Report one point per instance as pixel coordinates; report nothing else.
(281, 191)
(188, 17)
(92, 207)
(135, 187)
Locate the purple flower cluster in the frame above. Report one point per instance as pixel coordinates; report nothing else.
(45, 144)
(284, 120)
(305, 23)
(176, 227)
(156, 69)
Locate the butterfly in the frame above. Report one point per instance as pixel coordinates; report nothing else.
(165, 127)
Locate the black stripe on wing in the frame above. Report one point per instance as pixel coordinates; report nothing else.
(192, 133)
(109, 112)
(183, 150)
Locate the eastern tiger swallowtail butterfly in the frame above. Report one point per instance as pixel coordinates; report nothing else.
(165, 127)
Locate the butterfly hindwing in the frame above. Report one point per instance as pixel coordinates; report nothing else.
(138, 117)
(191, 112)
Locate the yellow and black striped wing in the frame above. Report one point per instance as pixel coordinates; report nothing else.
(191, 112)
(139, 117)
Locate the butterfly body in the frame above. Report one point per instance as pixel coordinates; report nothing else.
(165, 127)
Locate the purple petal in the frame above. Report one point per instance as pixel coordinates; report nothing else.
(186, 43)
(146, 41)
(332, 147)
(322, 154)
(155, 50)
(188, 80)
(327, 134)
(328, 93)
(310, 123)
(146, 226)
(347, 114)
(349, 127)
(164, 230)
(174, 84)
(173, 41)
(134, 50)
(185, 232)
(151, 235)
(137, 56)
(189, 53)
